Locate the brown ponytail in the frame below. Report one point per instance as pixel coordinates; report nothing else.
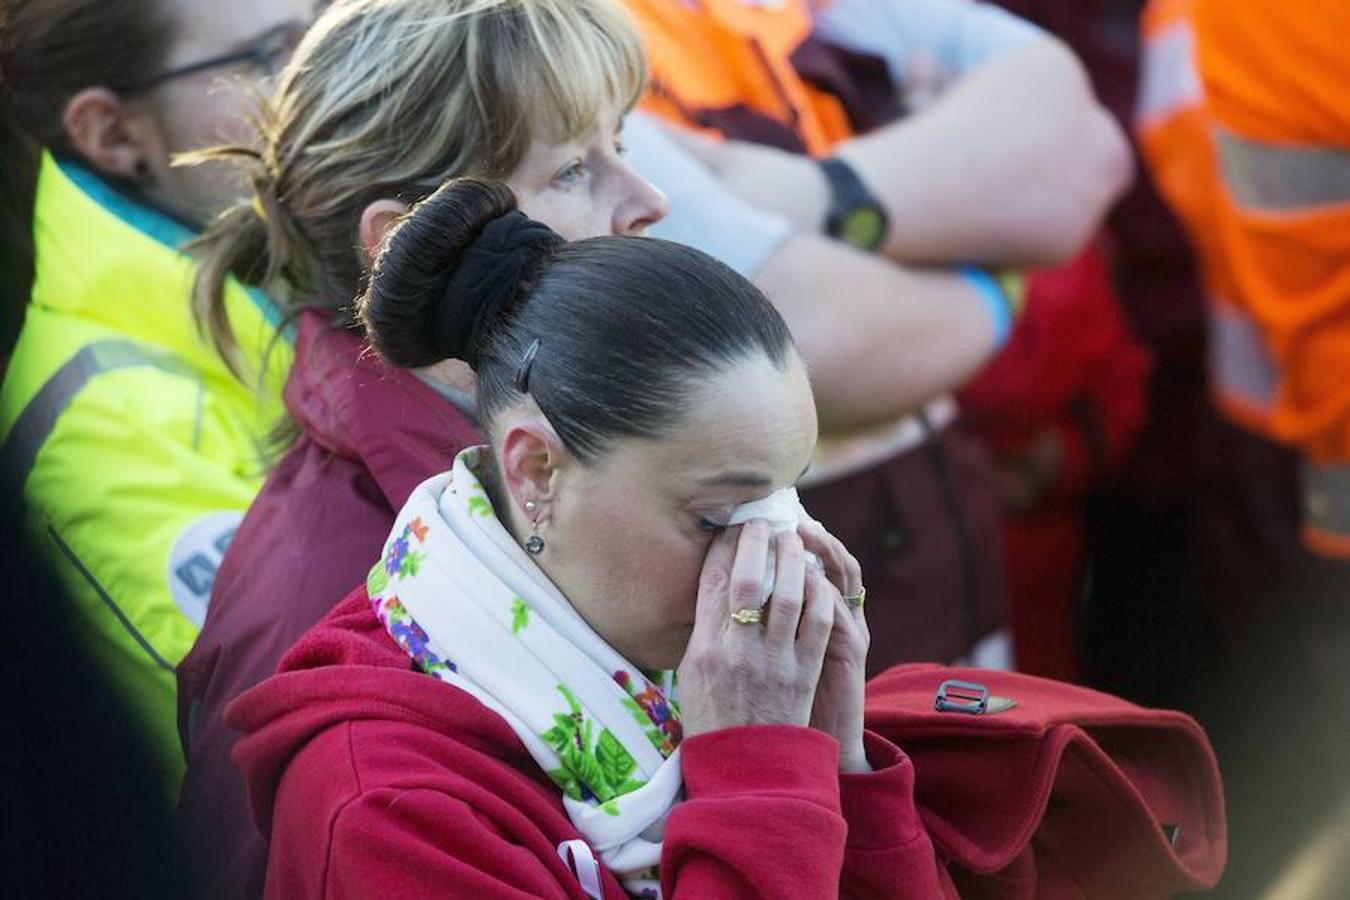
(256, 243)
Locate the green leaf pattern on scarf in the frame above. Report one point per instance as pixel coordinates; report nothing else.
(601, 769)
(377, 580)
(520, 615)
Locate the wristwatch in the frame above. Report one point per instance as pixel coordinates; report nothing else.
(856, 216)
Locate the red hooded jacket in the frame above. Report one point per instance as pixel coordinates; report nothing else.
(369, 435)
(373, 779)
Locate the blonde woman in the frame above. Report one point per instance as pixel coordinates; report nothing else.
(384, 100)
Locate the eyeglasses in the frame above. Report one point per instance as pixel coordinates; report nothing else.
(267, 54)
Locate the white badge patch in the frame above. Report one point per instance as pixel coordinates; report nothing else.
(195, 557)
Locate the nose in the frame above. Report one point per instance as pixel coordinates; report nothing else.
(641, 204)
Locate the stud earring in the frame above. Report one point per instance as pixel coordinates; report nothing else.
(534, 545)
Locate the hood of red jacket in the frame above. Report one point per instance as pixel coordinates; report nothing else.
(349, 401)
(347, 667)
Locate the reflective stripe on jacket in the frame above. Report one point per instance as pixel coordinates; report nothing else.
(137, 449)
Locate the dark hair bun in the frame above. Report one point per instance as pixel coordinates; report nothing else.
(451, 271)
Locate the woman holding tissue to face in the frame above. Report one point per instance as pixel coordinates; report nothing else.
(496, 712)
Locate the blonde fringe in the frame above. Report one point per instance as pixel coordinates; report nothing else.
(390, 98)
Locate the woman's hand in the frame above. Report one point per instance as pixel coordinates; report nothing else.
(737, 673)
(838, 708)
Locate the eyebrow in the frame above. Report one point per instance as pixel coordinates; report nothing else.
(745, 479)
(738, 479)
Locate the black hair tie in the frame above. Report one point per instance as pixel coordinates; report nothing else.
(485, 285)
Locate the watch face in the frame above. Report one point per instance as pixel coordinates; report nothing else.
(863, 227)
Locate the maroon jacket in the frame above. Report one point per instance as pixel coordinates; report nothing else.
(370, 434)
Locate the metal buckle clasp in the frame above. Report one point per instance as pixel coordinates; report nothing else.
(962, 696)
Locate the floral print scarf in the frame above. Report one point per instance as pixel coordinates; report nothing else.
(471, 608)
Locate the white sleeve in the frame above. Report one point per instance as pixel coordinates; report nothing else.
(959, 35)
(703, 213)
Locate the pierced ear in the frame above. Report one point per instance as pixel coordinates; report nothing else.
(376, 220)
(531, 456)
(109, 134)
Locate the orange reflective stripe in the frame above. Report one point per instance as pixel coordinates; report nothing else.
(1326, 508)
(1168, 80)
(1273, 178)
(1241, 369)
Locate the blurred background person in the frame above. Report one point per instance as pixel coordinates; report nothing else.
(898, 476)
(136, 446)
(1245, 125)
(1138, 620)
(1059, 408)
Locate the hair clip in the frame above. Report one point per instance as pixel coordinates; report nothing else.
(526, 363)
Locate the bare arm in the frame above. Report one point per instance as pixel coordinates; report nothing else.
(879, 340)
(1016, 164)
(1013, 165)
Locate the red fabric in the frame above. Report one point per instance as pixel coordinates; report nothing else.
(1071, 365)
(373, 779)
(370, 434)
(1063, 796)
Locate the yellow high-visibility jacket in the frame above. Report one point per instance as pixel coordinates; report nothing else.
(137, 450)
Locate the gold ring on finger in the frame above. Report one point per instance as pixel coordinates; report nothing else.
(856, 601)
(751, 615)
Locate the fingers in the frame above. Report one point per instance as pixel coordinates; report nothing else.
(841, 567)
(714, 584)
(749, 566)
(789, 585)
(817, 617)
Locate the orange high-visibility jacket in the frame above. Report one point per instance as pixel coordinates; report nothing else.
(712, 59)
(1245, 121)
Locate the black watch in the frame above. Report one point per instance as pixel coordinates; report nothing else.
(856, 216)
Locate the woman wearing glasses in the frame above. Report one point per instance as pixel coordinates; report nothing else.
(136, 449)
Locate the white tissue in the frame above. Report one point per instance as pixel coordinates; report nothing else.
(783, 511)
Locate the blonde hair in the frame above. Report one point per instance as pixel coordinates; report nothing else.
(388, 99)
